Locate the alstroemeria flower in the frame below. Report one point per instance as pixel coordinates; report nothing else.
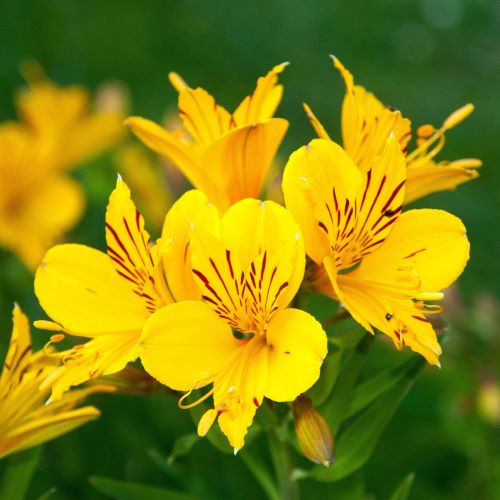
(366, 124)
(62, 117)
(37, 204)
(227, 156)
(380, 264)
(25, 418)
(243, 339)
(108, 297)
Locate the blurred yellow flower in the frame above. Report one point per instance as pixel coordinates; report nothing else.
(26, 418)
(380, 264)
(243, 339)
(37, 203)
(366, 125)
(58, 131)
(227, 156)
(62, 117)
(108, 297)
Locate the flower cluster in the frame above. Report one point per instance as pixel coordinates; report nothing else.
(208, 308)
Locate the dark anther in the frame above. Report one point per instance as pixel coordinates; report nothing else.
(389, 213)
(388, 316)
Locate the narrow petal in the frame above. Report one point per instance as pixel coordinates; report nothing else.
(432, 177)
(41, 430)
(380, 199)
(297, 347)
(240, 160)
(19, 352)
(129, 247)
(202, 117)
(79, 288)
(395, 314)
(185, 345)
(185, 158)
(262, 104)
(103, 355)
(367, 123)
(316, 124)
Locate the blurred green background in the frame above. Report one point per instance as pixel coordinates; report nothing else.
(425, 57)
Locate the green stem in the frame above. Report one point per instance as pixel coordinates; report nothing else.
(336, 318)
(282, 463)
(261, 474)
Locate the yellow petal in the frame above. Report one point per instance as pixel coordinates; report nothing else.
(262, 104)
(297, 347)
(433, 243)
(432, 177)
(79, 288)
(129, 247)
(184, 345)
(239, 162)
(192, 209)
(380, 198)
(316, 124)
(202, 117)
(256, 267)
(318, 181)
(19, 353)
(366, 123)
(44, 429)
(185, 158)
(103, 355)
(239, 390)
(376, 304)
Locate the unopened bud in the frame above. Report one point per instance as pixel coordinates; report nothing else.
(313, 434)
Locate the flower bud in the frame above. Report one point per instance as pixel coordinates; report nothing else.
(313, 434)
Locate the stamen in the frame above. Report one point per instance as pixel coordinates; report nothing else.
(181, 404)
(458, 116)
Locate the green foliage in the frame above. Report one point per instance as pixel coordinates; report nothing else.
(125, 490)
(17, 477)
(403, 489)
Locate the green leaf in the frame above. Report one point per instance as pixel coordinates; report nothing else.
(371, 389)
(17, 476)
(356, 444)
(330, 370)
(403, 490)
(124, 490)
(48, 494)
(335, 408)
(182, 446)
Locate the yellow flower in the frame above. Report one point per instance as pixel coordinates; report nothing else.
(366, 124)
(26, 419)
(227, 156)
(243, 339)
(108, 297)
(63, 119)
(37, 204)
(380, 264)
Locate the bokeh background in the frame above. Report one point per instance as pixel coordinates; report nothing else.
(425, 57)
